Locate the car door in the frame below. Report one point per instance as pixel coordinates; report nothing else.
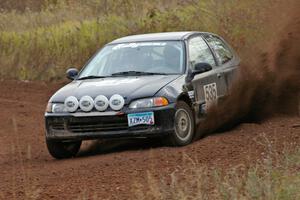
(208, 86)
(227, 60)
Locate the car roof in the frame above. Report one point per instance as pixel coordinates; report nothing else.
(170, 36)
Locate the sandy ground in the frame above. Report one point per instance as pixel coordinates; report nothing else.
(107, 169)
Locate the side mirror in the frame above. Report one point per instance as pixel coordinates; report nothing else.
(72, 73)
(199, 68)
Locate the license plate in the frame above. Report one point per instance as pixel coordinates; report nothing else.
(146, 118)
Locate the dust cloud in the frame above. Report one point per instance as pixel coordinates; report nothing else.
(267, 84)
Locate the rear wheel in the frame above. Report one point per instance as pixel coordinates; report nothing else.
(61, 150)
(184, 125)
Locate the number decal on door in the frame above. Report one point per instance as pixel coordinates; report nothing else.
(210, 93)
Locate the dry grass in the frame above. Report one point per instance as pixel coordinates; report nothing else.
(274, 177)
(42, 44)
(23, 185)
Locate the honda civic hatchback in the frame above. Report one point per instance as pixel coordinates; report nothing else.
(151, 85)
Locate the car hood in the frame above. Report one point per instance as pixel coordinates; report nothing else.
(132, 87)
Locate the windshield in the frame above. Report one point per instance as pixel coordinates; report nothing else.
(141, 58)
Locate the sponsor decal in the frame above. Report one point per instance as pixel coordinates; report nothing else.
(139, 44)
(211, 94)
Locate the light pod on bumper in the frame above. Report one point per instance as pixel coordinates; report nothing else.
(86, 103)
(101, 103)
(116, 102)
(71, 104)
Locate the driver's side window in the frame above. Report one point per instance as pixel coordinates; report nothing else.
(199, 52)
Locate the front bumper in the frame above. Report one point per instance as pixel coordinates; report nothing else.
(86, 126)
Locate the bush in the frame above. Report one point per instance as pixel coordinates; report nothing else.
(41, 45)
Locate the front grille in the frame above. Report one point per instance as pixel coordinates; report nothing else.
(58, 126)
(91, 124)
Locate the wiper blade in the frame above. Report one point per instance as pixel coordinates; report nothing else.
(132, 73)
(136, 73)
(91, 77)
(156, 73)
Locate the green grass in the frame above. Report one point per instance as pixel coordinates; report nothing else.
(41, 45)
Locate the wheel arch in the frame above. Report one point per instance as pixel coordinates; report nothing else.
(185, 97)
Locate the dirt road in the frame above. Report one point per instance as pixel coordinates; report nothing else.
(107, 169)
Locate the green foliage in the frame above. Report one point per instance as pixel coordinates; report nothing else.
(41, 45)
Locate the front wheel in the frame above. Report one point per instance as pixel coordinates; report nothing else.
(184, 125)
(61, 150)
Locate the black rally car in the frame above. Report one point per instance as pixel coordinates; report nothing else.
(141, 86)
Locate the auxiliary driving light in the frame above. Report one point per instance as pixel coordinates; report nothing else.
(116, 102)
(71, 104)
(101, 103)
(86, 103)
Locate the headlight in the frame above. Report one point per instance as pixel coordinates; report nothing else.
(149, 103)
(49, 108)
(56, 108)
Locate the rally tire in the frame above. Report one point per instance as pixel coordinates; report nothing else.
(184, 125)
(63, 150)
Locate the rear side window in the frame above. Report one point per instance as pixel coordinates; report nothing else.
(222, 51)
(200, 52)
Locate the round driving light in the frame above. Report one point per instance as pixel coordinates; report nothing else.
(116, 102)
(71, 104)
(101, 103)
(86, 103)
